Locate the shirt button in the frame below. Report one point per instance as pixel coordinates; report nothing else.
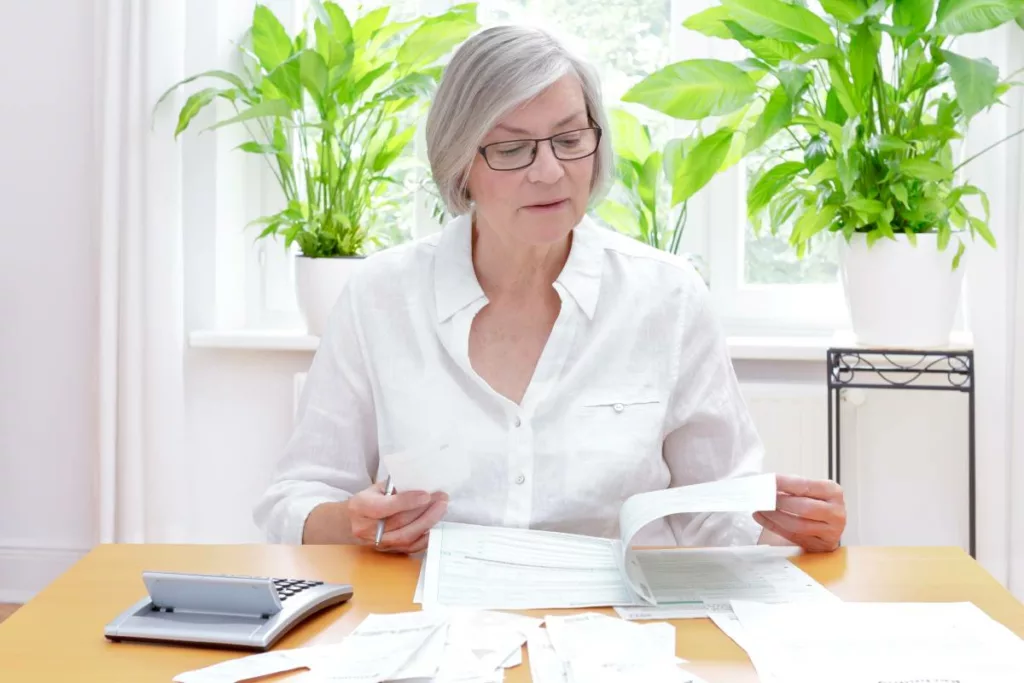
(520, 479)
(519, 422)
(618, 407)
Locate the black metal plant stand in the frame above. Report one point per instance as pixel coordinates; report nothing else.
(922, 370)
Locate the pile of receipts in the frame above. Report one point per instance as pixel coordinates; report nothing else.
(439, 646)
(473, 646)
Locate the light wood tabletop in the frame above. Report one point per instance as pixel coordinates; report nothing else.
(58, 635)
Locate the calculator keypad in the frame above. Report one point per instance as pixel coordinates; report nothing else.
(289, 587)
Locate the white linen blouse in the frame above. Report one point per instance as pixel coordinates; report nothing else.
(634, 392)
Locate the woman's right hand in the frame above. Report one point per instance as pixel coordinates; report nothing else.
(407, 515)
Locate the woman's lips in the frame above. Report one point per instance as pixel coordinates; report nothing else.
(548, 207)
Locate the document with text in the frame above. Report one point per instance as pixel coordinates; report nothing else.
(872, 642)
(685, 581)
(497, 568)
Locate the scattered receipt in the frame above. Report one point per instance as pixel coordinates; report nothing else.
(496, 568)
(595, 648)
(235, 670)
(442, 646)
(379, 648)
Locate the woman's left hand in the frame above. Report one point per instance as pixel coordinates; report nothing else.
(808, 512)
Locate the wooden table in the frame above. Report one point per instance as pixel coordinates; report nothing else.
(58, 636)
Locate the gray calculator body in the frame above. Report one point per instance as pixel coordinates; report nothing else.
(244, 612)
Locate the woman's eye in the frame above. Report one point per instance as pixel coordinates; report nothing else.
(510, 151)
(568, 142)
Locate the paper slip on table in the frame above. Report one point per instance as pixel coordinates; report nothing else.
(58, 635)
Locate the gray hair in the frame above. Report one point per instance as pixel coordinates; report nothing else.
(493, 72)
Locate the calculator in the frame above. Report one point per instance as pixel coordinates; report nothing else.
(222, 610)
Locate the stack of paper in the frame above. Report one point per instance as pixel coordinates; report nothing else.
(496, 568)
(436, 647)
(594, 648)
(686, 581)
(872, 642)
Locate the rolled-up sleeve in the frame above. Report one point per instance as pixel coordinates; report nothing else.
(710, 434)
(332, 452)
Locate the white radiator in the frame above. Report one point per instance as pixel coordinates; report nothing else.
(792, 420)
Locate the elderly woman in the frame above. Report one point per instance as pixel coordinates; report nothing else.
(576, 366)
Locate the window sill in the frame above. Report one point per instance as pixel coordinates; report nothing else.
(770, 348)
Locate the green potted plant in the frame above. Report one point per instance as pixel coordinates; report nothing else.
(639, 204)
(330, 108)
(849, 147)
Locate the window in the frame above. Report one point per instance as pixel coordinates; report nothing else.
(757, 284)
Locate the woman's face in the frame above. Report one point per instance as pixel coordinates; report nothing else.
(518, 204)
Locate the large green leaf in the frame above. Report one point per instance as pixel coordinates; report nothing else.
(864, 45)
(1020, 18)
(619, 217)
(846, 11)
(829, 170)
(193, 105)
(286, 77)
(811, 223)
(231, 78)
(923, 169)
(432, 39)
(848, 96)
(770, 184)
(649, 180)
(975, 81)
(340, 39)
(313, 73)
(817, 151)
(629, 138)
(270, 42)
(773, 51)
(710, 22)
(367, 25)
(956, 17)
(258, 110)
(675, 151)
(694, 89)
(780, 20)
(393, 148)
(795, 79)
(913, 14)
(700, 165)
(776, 115)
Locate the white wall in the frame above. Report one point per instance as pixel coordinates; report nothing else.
(909, 486)
(48, 315)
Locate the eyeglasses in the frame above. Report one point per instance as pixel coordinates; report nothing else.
(513, 155)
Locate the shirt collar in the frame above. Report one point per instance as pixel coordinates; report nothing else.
(456, 286)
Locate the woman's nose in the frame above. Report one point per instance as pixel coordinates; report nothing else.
(546, 168)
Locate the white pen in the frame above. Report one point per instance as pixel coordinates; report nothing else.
(388, 490)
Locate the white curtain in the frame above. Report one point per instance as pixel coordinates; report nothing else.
(1017, 396)
(140, 52)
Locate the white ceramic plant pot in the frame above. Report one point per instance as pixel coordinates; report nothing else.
(900, 295)
(318, 284)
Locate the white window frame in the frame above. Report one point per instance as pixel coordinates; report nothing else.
(254, 283)
(744, 308)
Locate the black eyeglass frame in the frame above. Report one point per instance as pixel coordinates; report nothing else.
(536, 141)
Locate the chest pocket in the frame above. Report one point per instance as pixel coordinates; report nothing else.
(613, 443)
(623, 422)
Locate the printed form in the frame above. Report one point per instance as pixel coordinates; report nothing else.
(496, 568)
(684, 581)
(872, 642)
